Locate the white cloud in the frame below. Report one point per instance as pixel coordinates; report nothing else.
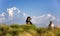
(44, 19)
(13, 15)
(25, 15)
(58, 20)
(11, 12)
(3, 14)
(2, 17)
(50, 16)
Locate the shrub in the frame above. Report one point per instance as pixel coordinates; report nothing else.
(15, 26)
(26, 27)
(27, 30)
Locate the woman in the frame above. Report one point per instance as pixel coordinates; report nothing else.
(28, 20)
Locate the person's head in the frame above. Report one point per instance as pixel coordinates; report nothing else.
(28, 18)
(50, 22)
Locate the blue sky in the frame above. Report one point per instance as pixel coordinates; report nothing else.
(37, 7)
(33, 7)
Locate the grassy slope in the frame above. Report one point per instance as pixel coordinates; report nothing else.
(27, 30)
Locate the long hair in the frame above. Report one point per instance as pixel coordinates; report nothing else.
(27, 20)
(28, 17)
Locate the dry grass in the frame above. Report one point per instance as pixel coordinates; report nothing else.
(27, 30)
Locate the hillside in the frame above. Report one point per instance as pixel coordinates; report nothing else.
(27, 30)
